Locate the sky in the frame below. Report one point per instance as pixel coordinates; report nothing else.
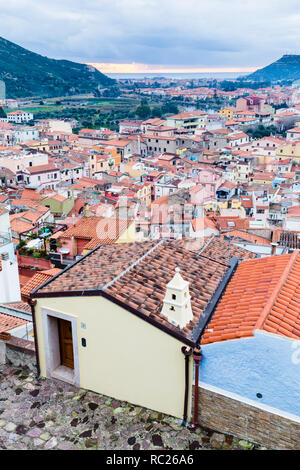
(156, 35)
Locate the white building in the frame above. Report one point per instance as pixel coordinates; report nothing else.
(19, 117)
(18, 161)
(9, 275)
(41, 177)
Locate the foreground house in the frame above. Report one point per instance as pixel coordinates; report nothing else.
(136, 321)
(116, 322)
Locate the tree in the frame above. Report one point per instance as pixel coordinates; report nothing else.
(156, 112)
(143, 110)
(169, 108)
(2, 113)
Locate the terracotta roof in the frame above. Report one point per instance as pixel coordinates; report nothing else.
(84, 228)
(98, 228)
(247, 236)
(57, 197)
(217, 248)
(30, 194)
(8, 322)
(203, 222)
(246, 201)
(19, 226)
(263, 294)
(37, 280)
(23, 306)
(143, 285)
(230, 223)
(41, 168)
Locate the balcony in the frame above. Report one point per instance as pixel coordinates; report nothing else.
(4, 238)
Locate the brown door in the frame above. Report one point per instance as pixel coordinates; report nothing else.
(66, 343)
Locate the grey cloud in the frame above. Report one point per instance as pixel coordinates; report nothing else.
(190, 32)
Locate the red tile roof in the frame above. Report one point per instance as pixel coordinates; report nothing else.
(23, 306)
(143, 285)
(8, 322)
(97, 229)
(217, 248)
(30, 194)
(263, 294)
(37, 280)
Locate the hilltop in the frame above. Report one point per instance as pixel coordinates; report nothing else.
(26, 74)
(286, 68)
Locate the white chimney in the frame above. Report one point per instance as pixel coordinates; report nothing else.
(177, 302)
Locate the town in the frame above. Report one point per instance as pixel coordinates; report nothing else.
(162, 235)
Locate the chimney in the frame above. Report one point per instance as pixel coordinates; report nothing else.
(273, 248)
(177, 302)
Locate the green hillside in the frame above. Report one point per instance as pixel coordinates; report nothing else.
(286, 68)
(26, 74)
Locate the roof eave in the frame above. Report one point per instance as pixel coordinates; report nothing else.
(212, 304)
(102, 293)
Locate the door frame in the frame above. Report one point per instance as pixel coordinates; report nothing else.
(52, 345)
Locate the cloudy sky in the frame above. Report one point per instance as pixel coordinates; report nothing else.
(161, 34)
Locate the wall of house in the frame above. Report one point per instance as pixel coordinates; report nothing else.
(9, 281)
(229, 413)
(59, 207)
(291, 223)
(129, 235)
(125, 357)
(264, 364)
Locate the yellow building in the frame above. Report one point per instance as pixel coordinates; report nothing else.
(291, 150)
(241, 172)
(104, 325)
(144, 194)
(227, 112)
(134, 169)
(38, 145)
(99, 163)
(110, 150)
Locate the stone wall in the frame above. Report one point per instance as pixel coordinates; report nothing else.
(21, 352)
(227, 415)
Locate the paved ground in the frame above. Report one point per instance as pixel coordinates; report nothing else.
(44, 414)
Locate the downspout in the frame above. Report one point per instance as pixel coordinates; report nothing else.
(197, 356)
(32, 304)
(187, 353)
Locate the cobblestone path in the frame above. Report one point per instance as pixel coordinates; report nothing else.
(49, 414)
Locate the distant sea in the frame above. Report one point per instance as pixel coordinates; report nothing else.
(180, 75)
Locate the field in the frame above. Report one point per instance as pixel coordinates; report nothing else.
(88, 111)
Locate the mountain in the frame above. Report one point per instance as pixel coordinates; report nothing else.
(26, 74)
(286, 68)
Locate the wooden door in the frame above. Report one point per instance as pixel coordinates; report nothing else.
(66, 343)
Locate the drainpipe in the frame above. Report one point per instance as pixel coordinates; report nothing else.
(187, 353)
(197, 356)
(32, 304)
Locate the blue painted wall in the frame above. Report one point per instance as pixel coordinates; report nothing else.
(265, 364)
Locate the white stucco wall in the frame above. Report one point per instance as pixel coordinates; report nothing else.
(125, 357)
